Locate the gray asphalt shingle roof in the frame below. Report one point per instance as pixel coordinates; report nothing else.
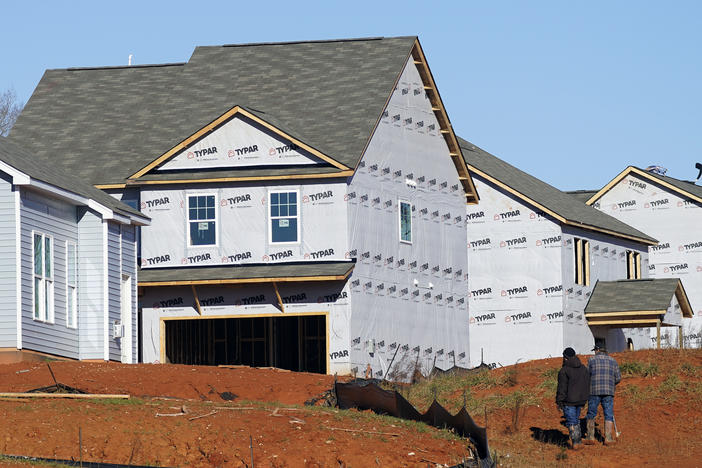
(564, 205)
(581, 195)
(683, 185)
(242, 272)
(104, 124)
(632, 295)
(25, 162)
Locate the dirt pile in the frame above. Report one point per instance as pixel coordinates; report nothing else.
(207, 416)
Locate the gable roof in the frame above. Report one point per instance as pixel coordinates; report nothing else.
(13, 157)
(537, 193)
(109, 124)
(641, 295)
(682, 187)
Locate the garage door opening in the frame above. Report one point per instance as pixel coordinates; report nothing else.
(297, 343)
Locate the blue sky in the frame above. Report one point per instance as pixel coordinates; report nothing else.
(571, 92)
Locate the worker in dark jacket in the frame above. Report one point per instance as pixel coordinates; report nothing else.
(572, 393)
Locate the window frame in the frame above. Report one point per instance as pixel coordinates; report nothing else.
(582, 261)
(72, 289)
(298, 216)
(47, 299)
(400, 202)
(188, 196)
(633, 265)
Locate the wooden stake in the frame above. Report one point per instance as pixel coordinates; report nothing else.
(85, 396)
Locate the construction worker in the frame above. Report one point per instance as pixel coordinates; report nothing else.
(604, 376)
(572, 393)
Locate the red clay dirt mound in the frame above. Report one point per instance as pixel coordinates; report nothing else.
(658, 409)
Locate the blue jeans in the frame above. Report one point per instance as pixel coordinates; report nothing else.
(607, 406)
(572, 415)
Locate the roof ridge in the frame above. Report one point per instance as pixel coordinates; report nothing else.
(313, 41)
(117, 67)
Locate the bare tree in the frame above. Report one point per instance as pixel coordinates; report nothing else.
(9, 111)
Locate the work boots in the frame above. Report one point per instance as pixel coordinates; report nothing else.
(590, 439)
(609, 430)
(575, 437)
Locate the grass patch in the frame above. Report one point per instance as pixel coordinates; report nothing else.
(638, 368)
(550, 382)
(30, 462)
(119, 401)
(688, 370)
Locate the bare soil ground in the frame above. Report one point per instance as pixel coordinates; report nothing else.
(658, 409)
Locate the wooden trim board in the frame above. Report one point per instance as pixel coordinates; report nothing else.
(644, 174)
(553, 214)
(221, 120)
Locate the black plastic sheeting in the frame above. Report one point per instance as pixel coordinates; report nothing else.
(84, 464)
(368, 395)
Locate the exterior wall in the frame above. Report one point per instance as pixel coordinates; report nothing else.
(91, 270)
(607, 263)
(241, 142)
(243, 226)
(676, 222)
(57, 219)
(329, 298)
(8, 265)
(129, 268)
(114, 288)
(514, 267)
(398, 321)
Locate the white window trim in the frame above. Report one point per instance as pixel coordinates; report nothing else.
(73, 292)
(400, 201)
(271, 218)
(187, 219)
(46, 316)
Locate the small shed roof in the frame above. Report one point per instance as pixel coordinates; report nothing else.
(640, 302)
(242, 274)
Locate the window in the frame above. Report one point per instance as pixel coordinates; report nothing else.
(43, 277)
(633, 265)
(405, 222)
(582, 261)
(71, 285)
(202, 219)
(284, 217)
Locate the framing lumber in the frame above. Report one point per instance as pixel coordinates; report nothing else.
(75, 396)
(277, 294)
(283, 279)
(628, 312)
(221, 120)
(555, 215)
(447, 132)
(637, 323)
(197, 300)
(645, 175)
(658, 335)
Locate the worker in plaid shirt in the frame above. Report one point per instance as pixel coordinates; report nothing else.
(604, 376)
